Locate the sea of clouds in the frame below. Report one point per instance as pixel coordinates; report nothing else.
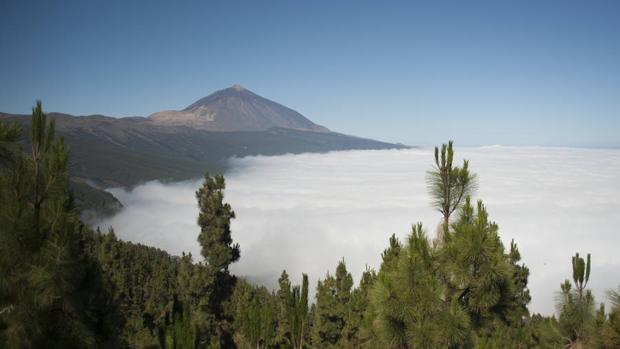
(304, 213)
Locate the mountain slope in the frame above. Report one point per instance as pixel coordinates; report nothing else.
(236, 109)
(127, 151)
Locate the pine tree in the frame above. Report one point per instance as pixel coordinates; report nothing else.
(180, 332)
(607, 335)
(369, 336)
(406, 298)
(293, 324)
(353, 334)
(449, 185)
(51, 291)
(576, 305)
(331, 313)
(389, 256)
(544, 332)
(255, 316)
(521, 296)
(9, 148)
(297, 314)
(478, 272)
(219, 252)
(283, 329)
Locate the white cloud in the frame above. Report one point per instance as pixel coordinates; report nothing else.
(305, 212)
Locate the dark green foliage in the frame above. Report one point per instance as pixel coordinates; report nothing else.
(172, 302)
(369, 335)
(214, 221)
(219, 252)
(144, 279)
(409, 311)
(254, 313)
(63, 286)
(181, 333)
(128, 151)
(479, 274)
(331, 314)
(51, 291)
(521, 295)
(581, 273)
(163, 298)
(544, 332)
(93, 204)
(390, 255)
(293, 320)
(10, 133)
(463, 291)
(352, 334)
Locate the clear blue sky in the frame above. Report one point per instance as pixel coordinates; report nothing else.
(494, 72)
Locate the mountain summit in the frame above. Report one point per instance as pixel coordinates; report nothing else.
(236, 109)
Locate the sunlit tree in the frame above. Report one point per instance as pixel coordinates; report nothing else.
(409, 308)
(449, 185)
(575, 303)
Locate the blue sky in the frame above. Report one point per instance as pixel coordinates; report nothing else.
(494, 72)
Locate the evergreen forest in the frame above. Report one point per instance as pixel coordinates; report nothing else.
(63, 285)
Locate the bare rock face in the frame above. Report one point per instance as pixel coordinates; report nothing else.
(236, 109)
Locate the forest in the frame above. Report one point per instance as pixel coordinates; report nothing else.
(63, 285)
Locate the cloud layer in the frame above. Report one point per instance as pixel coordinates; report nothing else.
(304, 213)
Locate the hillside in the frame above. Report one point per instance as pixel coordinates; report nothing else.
(167, 146)
(179, 145)
(128, 151)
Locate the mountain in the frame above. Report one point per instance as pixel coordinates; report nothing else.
(236, 109)
(170, 146)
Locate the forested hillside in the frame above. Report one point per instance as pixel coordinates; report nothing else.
(65, 286)
(180, 145)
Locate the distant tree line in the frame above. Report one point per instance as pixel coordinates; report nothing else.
(63, 285)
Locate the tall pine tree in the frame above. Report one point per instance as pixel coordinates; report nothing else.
(51, 291)
(219, 252)
(331, 313)
(293, 309)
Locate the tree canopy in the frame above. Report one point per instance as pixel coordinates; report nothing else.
(63, 285)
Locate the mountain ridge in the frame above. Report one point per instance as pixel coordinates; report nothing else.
(126, 151)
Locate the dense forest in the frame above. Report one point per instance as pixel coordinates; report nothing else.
(63, 285)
